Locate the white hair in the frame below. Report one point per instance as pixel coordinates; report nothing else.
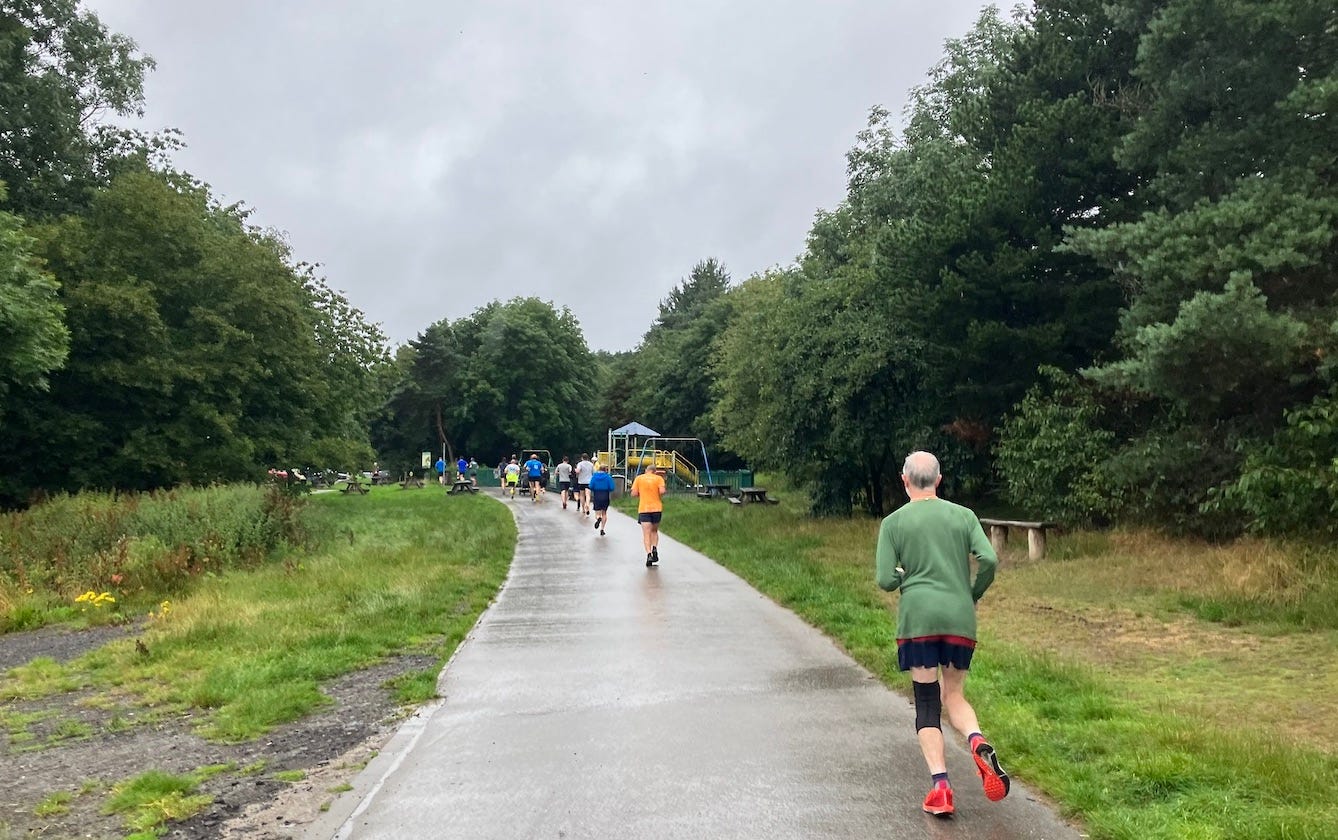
(921, 469)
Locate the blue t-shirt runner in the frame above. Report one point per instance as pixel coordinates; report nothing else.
(601, 489)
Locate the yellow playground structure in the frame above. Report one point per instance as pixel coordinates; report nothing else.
(633, 447)
(666, 459)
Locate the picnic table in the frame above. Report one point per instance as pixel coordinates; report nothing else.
(998, 529)
(411, 481)
(753, 495)
(461, 485)
(714, 491)
(354, 487)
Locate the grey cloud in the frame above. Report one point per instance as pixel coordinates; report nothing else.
(435, 156)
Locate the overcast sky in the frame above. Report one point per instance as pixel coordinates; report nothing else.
(433, 156)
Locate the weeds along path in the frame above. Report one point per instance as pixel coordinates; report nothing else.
(276, 683)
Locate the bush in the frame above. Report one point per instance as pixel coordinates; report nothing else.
(1165, 477)
(1050, 449)
(1289, 485)
(137, 547)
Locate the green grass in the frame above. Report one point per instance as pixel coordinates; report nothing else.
(1072, 682)
(395, 571)
(54, 804)
(290, 776)
(153, 799)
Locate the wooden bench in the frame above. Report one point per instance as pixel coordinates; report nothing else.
(411, 481)
(462, 485)
(354, 487)
(998, 529)
(734, 501)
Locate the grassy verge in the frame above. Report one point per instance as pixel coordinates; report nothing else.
(1095, 678)
(395, 571)
(99, 558)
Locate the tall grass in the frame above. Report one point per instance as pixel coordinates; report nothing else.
(391, 572)
(138, 548)
(1124, 744)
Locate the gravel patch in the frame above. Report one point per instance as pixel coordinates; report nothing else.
(77, 741)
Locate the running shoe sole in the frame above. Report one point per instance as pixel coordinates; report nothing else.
(992, 775)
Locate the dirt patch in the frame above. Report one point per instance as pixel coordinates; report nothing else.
(79, 743)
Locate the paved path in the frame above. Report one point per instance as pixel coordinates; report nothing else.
(601, 699)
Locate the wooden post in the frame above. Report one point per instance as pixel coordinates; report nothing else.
(1036, 543)
(998, 536)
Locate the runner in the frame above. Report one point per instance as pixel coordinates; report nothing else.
(534, 469)
(584, 470)
(601, 490)
(564, 481)
(513, 476)
(924, 550)
(649, 489)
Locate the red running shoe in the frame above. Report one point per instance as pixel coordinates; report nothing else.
(939, 801)
(992, 776)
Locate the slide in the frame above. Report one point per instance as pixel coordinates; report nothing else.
(668, 461)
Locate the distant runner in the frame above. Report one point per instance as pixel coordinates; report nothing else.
(564, 471)
(584, 470)
(601, 490)
(534, 468)
(512, 476)
(649, 489)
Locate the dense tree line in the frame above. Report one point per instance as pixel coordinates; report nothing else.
(149, 336)
(1094, 270)
(1092, 266)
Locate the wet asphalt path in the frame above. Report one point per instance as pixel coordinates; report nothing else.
(601, 699)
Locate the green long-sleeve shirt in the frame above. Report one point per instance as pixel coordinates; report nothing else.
(932, 540)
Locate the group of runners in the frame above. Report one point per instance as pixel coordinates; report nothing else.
(923, 552)
(591, 488)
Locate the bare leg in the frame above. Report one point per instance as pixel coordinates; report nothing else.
(960, 714)
(647, 529)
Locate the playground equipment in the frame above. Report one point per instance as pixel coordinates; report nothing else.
(545, 456)
(632, 447)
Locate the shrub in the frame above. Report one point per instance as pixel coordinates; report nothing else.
(1050, 449)
(1289, 485)
(135, 546)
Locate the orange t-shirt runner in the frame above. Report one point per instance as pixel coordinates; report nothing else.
(649, 488)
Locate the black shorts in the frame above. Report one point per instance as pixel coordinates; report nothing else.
(600, 501)
(652, 518)
(583, 486)
(934, 652)
(564, 486)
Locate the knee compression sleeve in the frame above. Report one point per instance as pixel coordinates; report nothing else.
(928, 706)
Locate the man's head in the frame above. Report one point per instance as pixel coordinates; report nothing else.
(604, 468)
(584, 457)
(534, 455)
(564, 459)
(920, 473)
